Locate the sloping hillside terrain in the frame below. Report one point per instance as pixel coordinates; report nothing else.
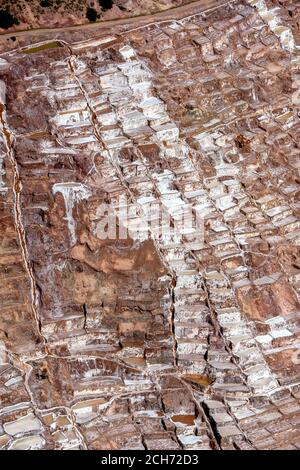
(26, 14)
(150, 231)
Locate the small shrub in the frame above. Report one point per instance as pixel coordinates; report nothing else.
(106, 4)
(91, 14)
(46, 3)
(7, 20)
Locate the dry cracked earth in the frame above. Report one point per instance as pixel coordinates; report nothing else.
(161, 342)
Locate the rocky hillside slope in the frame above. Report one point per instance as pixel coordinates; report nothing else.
(172, 339)
(27, 14)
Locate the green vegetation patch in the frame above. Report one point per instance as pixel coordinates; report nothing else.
(42, 47)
